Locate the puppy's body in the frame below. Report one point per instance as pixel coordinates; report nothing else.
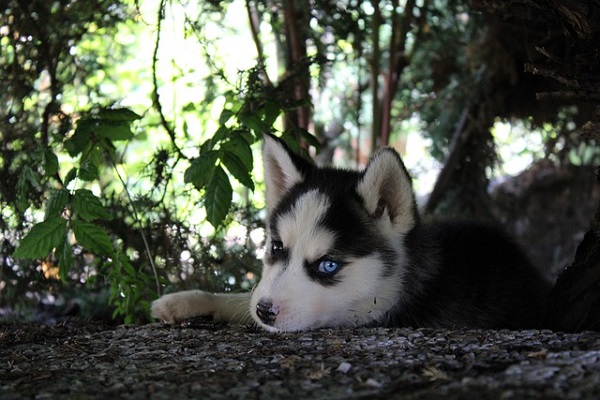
(475, 276)
(346, 248)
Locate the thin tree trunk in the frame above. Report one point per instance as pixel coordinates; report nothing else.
(295, 20)
(396, 63)
(375, 71)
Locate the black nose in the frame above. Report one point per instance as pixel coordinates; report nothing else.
(265, 311)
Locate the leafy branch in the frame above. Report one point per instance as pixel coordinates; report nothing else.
(139, 226)
(78, 211)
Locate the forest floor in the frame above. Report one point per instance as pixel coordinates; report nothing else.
(85, 360)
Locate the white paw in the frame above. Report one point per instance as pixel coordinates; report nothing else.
(176, 307)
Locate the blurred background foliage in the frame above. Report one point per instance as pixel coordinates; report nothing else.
(179, 181)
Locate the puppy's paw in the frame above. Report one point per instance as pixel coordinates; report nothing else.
(176, 307)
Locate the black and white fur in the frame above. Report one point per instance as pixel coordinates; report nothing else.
(346, 248)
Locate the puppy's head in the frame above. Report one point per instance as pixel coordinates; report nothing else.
(334, 251)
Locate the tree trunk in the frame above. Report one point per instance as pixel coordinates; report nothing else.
(296, 16)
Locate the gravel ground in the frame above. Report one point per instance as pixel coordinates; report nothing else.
(201, 360)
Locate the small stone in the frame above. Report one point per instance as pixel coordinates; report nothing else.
(344, 367)
(374, 383)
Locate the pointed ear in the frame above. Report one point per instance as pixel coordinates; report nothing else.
(386, 189)
(283, 169)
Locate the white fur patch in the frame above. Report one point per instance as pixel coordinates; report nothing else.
(299, 228)
(223, 307)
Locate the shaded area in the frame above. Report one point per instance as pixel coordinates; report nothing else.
(569, 56)
(548, 209)
(575, 299)
(210, 361)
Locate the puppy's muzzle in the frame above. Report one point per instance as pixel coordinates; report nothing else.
(266, 312)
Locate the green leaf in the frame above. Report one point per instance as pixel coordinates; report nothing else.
(112, 129)
(246, 135)
(97, 154)
(92, 237)
(225, 116)
(311, 139)
(50, 163)
(127, 267)
(290, 140)
(272, 111)
(65, 259)
(88, 207)
(42, 238)
(241, 148)
(81, 138)
(72, 174)
(253, 122)
(238, 169)
(26, 179)
(218, 197)
(57, 203)
(88, 171)
(209, 144)
(118, 114)
(189, 107)
(202, 169)
(110, 124)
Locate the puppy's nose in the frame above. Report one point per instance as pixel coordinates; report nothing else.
(266, 312)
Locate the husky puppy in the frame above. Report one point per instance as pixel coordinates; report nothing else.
(346, 248)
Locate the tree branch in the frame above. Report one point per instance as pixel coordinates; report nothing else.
(155, 96)
(254, 21)
(550, 73)
(569, 95)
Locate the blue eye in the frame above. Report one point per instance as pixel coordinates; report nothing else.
(328, 266)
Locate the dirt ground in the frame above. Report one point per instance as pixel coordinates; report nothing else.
(201, 360)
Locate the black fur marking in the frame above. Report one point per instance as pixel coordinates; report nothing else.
(467, 275)
(277, 253)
